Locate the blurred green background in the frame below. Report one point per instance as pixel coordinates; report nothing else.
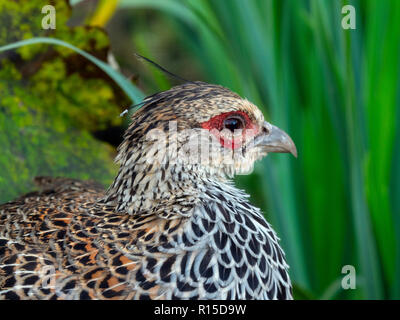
(335, 91)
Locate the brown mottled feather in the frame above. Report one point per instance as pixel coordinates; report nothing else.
(73, 237)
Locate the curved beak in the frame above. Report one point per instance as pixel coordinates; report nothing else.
(275, 140)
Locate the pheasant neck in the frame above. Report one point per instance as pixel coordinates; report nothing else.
(147, 187)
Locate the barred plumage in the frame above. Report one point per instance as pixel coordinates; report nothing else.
(167, 228)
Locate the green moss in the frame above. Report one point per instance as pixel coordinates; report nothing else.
(51, 101)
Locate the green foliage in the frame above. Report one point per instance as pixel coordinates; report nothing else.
(336, 92)
(52, 99)
(54, 69)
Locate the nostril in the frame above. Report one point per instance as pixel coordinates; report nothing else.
(266, 128)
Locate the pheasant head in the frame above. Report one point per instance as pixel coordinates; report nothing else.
(190, 134)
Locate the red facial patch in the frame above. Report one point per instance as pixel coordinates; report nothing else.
(216, 125)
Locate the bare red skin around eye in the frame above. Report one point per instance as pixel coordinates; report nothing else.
(215, 125)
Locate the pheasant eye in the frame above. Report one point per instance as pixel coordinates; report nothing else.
(233, 123)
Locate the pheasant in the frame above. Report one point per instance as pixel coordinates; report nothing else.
(171, 226)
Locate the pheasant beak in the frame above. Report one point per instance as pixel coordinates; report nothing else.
(275, 140)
